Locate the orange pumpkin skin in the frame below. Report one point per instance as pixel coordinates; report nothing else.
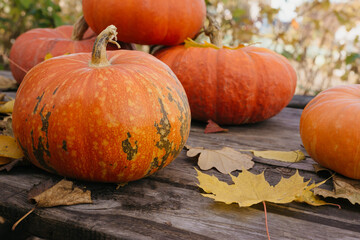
(31, 47)
(328, 129)
(163, 22)
(232, 86)
(117, 123)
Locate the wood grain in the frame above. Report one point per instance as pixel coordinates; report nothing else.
(168, 204)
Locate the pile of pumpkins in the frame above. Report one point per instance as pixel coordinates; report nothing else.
(120, 115)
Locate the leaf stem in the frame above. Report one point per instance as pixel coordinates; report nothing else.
(22, 218)
(266, 221)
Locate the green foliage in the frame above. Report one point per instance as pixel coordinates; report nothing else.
(18, 16)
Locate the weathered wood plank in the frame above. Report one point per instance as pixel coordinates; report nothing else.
(168, 205)
(153, 209)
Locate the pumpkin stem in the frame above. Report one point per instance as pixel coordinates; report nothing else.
(98, 56)
(213, 31)
(79, 30)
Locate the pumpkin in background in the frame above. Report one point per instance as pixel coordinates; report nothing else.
(238, 85)
(162, 22)
(36, 45)
(86, 117)
(329, 129)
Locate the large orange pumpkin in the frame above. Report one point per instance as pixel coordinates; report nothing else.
(32, 47)
(165, 22)
(246, 84)
(86, 117)
(329, 131)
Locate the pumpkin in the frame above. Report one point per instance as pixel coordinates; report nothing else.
(86, 117)
(329, 132)
(35, 45)
(163, 22)
(245, 84)
(39, 44)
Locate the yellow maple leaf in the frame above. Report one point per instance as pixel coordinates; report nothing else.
(48, 56)
(191, 43)
(9, 148)
(7, 107)
(284, 156)
(249, 189)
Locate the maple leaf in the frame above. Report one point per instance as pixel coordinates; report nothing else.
(284, 156)
(46, 194)
(9, 147)
(225, 160)
(7, 107)
(213, 127)
(249, 189)
(343, 188)
(63, 193)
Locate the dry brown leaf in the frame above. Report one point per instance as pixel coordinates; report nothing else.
(225, 160)
(13, 163)
(249, 189)
(7, 83)
(6, 126)
(213, 127)
(343, 188)
(62, 193)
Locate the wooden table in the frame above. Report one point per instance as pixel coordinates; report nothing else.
(168, 204)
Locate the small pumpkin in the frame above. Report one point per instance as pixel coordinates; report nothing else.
(245, 84)
(162, 22)
(86, 117)
(35, 45)
(329, 132)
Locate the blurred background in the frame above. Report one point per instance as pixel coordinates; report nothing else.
(319, 37)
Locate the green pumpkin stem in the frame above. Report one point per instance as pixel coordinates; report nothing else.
(79, 30)
(213, 31)
(98, 56)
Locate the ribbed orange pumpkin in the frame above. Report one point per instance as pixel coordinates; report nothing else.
(232, 85)
(164, 22)
(86, 117)
(329, 129)
(31, 47)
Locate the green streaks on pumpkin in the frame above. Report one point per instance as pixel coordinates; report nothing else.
(56, 90)
(42, 148)
(39, 98)
(128, 148)
(163, 128)
(64, 146)
(39, 152)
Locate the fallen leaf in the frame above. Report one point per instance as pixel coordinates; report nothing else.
(7, 107)
(62, 193)
(13, 163)
(343, 188)
(7, 83)
(6, 126)
(213, 127)
(4, 160)
(318, 168)
(9, 148)
(249, 189)
(225, 160)
(284, 156)
(48, 56)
